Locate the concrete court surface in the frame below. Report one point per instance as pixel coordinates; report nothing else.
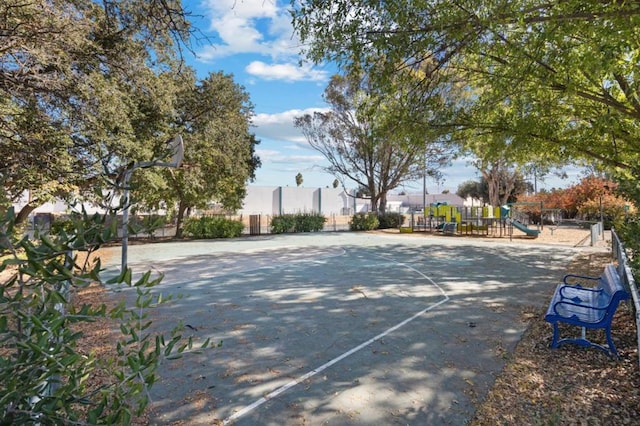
(342, 328)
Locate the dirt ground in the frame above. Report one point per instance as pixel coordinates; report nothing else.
(549, 235)
(540, 386)
(570, 385)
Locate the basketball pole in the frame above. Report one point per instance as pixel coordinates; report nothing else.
(177, 154)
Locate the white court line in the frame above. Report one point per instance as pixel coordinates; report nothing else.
(323, 367)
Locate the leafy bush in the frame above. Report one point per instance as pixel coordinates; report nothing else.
(213, 227)
(302, 222)
(152, 222)
(45, 377)
(309, 222)
(364, 222)
(390, 220)
(61, 224)
(283, 224)
(629, 232)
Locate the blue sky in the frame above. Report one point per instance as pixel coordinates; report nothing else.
(254, 41)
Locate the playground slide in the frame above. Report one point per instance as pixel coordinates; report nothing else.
(521, 226)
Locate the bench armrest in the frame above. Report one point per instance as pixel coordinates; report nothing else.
(580, 311)
(577, 292)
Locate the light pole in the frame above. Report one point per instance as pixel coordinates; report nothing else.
(424, 190)
(176, 146)
(601, 218)
(605, 189)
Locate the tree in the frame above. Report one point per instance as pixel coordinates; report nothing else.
(497, 186)
(585, 200)
(213, 115)
(81, 90)
(473, 189)
(502, 183)
(299, 179)
(561, 73)
(371, 140)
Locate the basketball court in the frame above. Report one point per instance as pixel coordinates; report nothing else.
(342, 328)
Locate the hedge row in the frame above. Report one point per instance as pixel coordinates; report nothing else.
(213, 227)
(302, 222)
(371, 221)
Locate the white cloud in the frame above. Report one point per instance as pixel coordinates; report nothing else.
(278, 157)
(249, 26)
(280, 126)
(286, 72)
(284, 151)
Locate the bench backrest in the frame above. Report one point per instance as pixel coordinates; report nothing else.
(612, 286)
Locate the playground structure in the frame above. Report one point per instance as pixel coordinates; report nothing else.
(476, 220)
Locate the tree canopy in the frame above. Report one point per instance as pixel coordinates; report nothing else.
(499, 184)
(561, 75)
(85, 88)
(88, 89)
(213, 115)
(587, 200)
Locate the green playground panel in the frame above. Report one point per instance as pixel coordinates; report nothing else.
(470, 227)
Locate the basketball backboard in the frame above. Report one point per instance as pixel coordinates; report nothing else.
(176, 148)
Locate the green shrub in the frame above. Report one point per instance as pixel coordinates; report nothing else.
(629, 232)
(213, 227)
(61, 224)
(390, 220)
(283, 224)
(151, 223)
(309, 222)
(364, 222)
(301, 222)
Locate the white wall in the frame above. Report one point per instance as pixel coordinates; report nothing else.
(299, 200)
(274, 200)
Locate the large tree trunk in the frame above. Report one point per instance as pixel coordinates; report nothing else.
(374, 198)
(24, 213)
(182, 207)
(382, 202)
(509, 185)
(493, 186)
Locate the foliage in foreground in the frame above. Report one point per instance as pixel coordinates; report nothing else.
(302, 222)
(213, 227)
(44, 376)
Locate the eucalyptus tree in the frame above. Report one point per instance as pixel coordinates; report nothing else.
(563, 72)
(371, 139)
(81, 91)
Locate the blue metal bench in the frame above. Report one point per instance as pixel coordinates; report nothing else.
(587, 307)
